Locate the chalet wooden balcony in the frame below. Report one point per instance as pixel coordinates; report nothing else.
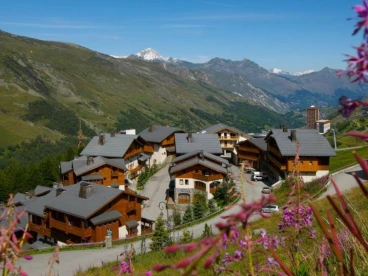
(249, 149)
(228, 146)
(224, 138)
(139, 167)
(39, 229)
(69, 229)
(133, 152)
(205, 177)
(199, 187)
(275, 151)
(149, 149)
(114, 173)
(248, 157)
(276, 163)
(130, 206)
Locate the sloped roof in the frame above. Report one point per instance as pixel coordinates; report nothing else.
(105, 217)
(95, 176)
(311, 143)
(41, 189)
(80, 165)
(206, 142)
(216, 128)
(259, 143)
(37, 206)
(115, 146)
(70, 203)
(18, 198)
(198, 161)
(198, 152)
(158, 134)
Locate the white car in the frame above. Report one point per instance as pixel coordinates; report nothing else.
(257, 178)
(266, 190)
(270, 209)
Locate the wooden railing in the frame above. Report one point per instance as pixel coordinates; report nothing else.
(228, 146)
(276, 152)
(248, 157)
(224, 138)
(277, 163)
(133, 152)
(199, 187)
(205, 177)
(42, 230)
(114, 173)
(135, 169)
(248, 149)
(78, 231)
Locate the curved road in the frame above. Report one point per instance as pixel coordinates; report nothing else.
(71, 261)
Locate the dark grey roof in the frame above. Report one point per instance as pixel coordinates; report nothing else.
(65, 167)
(158, 134)
(113, 147)
(218, 127)
(198, 152)
(105, 217)
(41, 189)
(259, 142)
(23, 220)
(196, 161)
(143, 157)
(170, 149)
(206, 142)
(95, 176)
(70, 203)
(37, 207)
(131, 223)
(18, 198)
(80, 165)
(311, 143)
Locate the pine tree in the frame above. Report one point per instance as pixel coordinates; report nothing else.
(188, 215)
(176, 217)
(160, 237)
(212, 206)
(207, 231)
(186, 237)
(198, 211)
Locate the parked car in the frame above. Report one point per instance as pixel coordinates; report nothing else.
(249, 170)
(266, 190)
(257, 178)
(257, 173)
(270, 209)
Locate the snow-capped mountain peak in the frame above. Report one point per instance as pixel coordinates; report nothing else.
(150, 54)
(281, 72)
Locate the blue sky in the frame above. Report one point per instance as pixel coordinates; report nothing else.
(291, 35)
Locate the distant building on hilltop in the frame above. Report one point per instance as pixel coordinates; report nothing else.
(312, 117)
(323, 126)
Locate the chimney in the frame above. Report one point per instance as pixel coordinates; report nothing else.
(59, 191)
(284, 129)
(201, 155)
(190, 137)
(85, 190)
(101, 139)
(293, 135)
(151, 128)
(90, 160)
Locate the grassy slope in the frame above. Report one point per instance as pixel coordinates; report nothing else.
(97, 88)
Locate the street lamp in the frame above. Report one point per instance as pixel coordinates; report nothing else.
(334, 134)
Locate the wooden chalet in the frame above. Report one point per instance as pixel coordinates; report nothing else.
(84, 212)
(228, 137)
(99, 170)
(160, 142)
(197, 172)
(314, 153)
(131, 148)
(253, 153)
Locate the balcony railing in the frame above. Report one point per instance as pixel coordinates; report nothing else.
(248, 149)
(114, 173)
(206, 177)
(248, 157)
(277, 163)
(135, 169)
(133, 152)
(42, 230)
(227, 138)
(276, 152)
(199, 187)
(78, 231)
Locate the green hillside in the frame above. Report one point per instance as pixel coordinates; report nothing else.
(45, 87)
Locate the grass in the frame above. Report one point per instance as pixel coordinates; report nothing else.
(142, 263)
(344, 159)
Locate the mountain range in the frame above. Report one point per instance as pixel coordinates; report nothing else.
(275, 89)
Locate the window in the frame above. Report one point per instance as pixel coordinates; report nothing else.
(186, 182)
(181, 181)
(196, 171)
(310, 163)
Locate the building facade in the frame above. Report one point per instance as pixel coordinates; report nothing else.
(312, 117)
